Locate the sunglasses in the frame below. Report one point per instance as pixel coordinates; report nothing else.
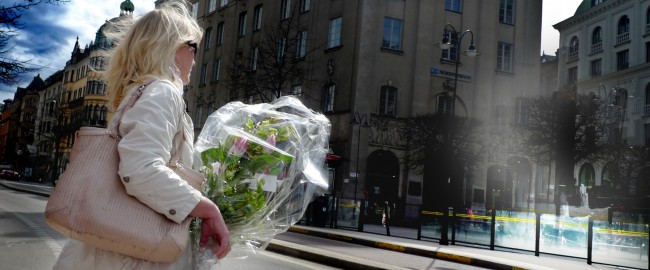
(193, 45)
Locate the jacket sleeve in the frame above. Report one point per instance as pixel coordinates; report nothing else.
(147, 131)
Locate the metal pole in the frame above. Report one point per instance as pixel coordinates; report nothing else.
(356, 176)
(590, 242)
(493, 228)
(453, 225)
(538, 225)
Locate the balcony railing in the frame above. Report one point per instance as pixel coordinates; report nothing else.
(573, 55)
(596, 48)
(622, 38)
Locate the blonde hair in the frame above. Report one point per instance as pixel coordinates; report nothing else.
(146, 47)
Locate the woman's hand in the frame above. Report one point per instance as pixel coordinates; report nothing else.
(213, 227)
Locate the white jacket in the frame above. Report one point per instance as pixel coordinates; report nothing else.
(148, 140)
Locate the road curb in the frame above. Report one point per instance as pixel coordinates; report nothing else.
(24, 190)
(326, 257)
(429, 253)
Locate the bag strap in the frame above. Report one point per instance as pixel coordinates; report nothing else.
(113, 127)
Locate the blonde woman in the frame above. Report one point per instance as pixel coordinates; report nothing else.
(156, 50)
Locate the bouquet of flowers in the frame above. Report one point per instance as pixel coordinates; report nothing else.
(262, 164)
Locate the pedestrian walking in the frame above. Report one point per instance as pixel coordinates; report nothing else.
(155, 51)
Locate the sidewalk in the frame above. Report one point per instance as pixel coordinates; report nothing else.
(475, 256)
(460, 254)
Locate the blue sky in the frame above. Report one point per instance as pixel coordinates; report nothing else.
(50, 31)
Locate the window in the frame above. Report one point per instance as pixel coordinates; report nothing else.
(257, 20)
(255, 52)
(301, 51)
(216, 65)
(507, 11)
(573, 49)
(334, 37)
(587, 175)
(328, 98)
(198, 115)
(207, 38)
(597, 40)
(622, 60)
(392, 34)
(286, 9)
(596, 68)
(304, 5)
(647, 135)
(281, 50)
(572, 77)
(212, 6)
(453, 5)
(224, 3)
(446, 105)
(220, 33)
(504, 57)
(521, 111)
(204, 68)
(388, 100)
(647, 52)
(242, 24)
(596, 2)
(451, 53)
(296, 90)
(623, 32)
(194, 11)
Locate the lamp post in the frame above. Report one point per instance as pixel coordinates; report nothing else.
(362, 121)
(448, 41)
(453, 39)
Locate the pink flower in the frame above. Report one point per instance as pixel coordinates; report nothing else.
(239, 148)
(270, 140)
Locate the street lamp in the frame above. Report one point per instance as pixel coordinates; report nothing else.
(448, 41)
(362, 121)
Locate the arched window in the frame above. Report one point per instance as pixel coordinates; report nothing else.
(573, 48)
(388, 100)
(623, 31)
(587, 175)
(596, 36)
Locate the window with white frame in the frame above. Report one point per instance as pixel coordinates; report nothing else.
(450, 54)
(334, 36)
(216, 65)
(392, 34)
(255, 52)
(304, 5)
(257, 20)
(242, 24)
(504, 57)
(212, 6)
(521, 111)
(388, 100)
(286, 9)
(301, 49)
(220, 33)
(328, 97)
(507, 11)
(453, 5)
(198, 115)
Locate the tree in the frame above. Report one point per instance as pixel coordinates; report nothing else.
(279, 60)
(12, 69)
(566, 129)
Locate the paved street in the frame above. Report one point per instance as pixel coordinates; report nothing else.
(27, 242)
